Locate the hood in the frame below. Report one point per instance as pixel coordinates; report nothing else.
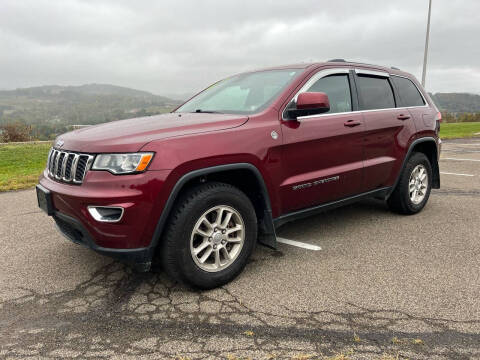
(132, 134)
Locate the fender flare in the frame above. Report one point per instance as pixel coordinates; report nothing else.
(269, 236)
(435, 167)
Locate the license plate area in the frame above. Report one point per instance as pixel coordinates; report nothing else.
(44, 199)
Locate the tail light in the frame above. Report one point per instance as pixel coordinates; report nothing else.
(438, 120)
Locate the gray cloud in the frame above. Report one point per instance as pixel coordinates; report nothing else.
(181, 46)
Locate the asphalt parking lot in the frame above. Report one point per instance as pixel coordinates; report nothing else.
(382, 286)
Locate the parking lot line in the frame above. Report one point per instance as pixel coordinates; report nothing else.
(458, 159)
(472, 144)
(299, 244)
(461, 151)
(449, 173)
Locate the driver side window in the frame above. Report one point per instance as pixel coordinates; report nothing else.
(337, 87)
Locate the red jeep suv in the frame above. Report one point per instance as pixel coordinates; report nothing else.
(196, 188)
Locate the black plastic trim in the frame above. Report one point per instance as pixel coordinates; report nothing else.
(435, 167)
(48, 199)
(139, 257)
(353, 91)
(269, 236)
(396, 94)
(281, 220)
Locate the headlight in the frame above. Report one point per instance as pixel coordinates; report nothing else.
(122, 163)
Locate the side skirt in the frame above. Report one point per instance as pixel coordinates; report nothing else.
(300, 214)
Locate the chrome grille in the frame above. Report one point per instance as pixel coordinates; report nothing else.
(68, 166)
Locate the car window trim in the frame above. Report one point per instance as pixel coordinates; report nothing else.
(375, 74)
(317, 76)
(332, 71)
(359, 111)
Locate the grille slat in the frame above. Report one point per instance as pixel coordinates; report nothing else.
(52, 162)
(81, 167)
(58, 168)
(68, 166)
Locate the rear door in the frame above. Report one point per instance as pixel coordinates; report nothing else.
(322, 155)
(388, 129)
(409, 96)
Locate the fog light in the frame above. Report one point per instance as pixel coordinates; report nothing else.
(106, 213)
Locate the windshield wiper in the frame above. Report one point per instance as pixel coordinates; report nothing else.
(207, 111)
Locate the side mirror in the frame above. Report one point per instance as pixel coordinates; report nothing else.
(310, 103)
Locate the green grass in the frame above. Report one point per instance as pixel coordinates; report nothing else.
(459, 130)
(21, 165)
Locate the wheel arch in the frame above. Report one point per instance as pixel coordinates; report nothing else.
(427, 146)
(251, 183)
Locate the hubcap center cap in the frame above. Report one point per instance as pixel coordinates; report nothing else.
(217, 238)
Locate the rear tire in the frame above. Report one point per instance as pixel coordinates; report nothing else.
(413, 189)
(212, 232)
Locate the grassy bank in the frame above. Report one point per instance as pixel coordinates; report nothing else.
(21, 165)
(459, 130)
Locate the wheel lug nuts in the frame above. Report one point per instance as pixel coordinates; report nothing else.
(223, 231)
(214, 246)
(209, 239)
(223, 242)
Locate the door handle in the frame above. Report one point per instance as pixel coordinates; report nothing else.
(403, 117)
(352, 123)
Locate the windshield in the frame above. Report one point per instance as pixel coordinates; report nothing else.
(241, 94)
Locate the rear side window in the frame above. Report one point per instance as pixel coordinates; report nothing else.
(375, 93)
(337, 87)
(408, 92)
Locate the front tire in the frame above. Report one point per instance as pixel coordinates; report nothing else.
(413, 189)
(211, 234)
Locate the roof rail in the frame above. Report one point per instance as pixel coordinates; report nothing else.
(394, 68)
(336, 60)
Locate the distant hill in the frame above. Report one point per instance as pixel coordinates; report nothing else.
(88, 89)
(51, 109)
(457, 102)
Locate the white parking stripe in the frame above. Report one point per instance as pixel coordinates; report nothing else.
(299, 244)
(448, 173)
(457, 159)
(472, 144)
(465, 151)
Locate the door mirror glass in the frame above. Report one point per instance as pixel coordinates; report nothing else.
(310, 103)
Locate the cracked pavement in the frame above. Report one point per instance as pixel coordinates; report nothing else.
(384, 286)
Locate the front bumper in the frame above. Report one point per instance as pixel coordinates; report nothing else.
(129, 239)
(74, 231)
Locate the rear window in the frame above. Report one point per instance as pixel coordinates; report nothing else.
(375, 93)
(408, 92)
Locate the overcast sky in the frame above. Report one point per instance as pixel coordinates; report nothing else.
(175, 46)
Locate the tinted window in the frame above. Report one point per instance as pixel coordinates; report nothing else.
(375, 93)
(337, 87)
(408, 92)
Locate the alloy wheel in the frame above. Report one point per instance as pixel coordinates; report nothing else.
(217, 238)
(418, 184)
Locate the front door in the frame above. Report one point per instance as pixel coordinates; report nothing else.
(322, 155)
